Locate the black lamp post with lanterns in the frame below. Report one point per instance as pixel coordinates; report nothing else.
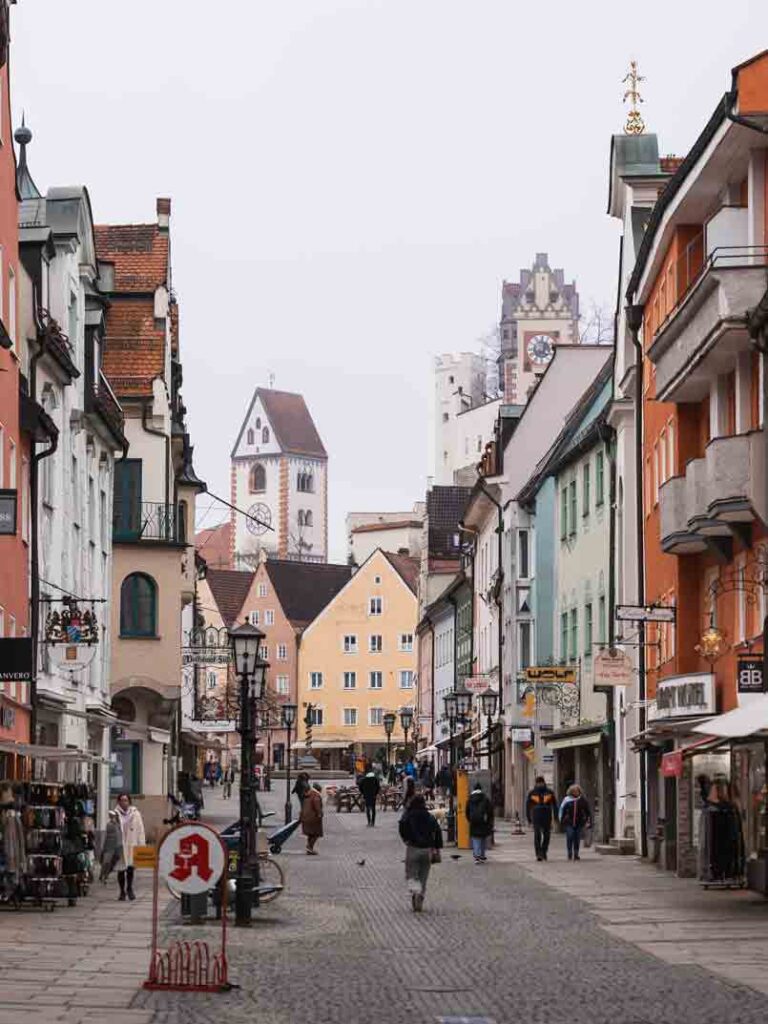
(457, 705)
(488, 708)
(406, 720)
(289, 718)
(389, 724)
(251, 671)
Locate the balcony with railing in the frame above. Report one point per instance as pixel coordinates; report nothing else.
(150, 522)
(718, 496)
(700, 328)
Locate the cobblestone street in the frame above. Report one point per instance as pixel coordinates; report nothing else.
(341, 944)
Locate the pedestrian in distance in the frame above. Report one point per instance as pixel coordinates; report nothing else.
(112, 848)
(311, 817)
(444, 781)
(228, 779)
(369, 786)
(575, 815)
(301, 787)
(409, 791)
(196, 792)
(479, 812)
(423, 840)
(541, 811)
(132, 833)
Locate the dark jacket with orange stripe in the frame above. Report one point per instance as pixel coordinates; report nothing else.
(541, 807)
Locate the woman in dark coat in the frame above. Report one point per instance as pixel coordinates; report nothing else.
(422, 836)
(311, 817)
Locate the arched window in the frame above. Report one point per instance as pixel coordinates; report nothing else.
(265, 435)
(257, 480)
(305, 482)
(258, 422)
(308, 517)
(138, 605)
(251, 437)
(310, 481)
(301, 517)
(300, 482)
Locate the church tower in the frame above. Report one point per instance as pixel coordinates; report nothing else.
(538, 313)
(279, 477)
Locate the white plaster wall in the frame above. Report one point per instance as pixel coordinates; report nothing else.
(258, 447)
(244, 539)
(465, 370)
(445, 666)
(474, 429)
(316, 502)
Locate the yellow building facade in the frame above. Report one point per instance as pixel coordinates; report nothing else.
(357, 660)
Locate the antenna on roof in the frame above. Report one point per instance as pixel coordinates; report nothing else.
(271, 380)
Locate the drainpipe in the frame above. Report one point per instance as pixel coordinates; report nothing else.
(34, 559)
(432, 698)
(606, 435)
(635, 321)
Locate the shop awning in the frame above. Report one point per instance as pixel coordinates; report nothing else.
(46, 753)
(587, 739)
(748, 720)
(323, 745)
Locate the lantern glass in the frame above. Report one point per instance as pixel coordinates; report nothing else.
(245, 642)
(289, 714)
(450, 701)
(488, 704)
(389, 722)
(406, 718)
(463, 704)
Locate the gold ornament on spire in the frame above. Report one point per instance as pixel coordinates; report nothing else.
(634, 124)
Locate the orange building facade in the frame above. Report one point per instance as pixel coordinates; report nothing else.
(699, 277)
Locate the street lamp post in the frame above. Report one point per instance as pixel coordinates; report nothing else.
(406, 720)
(449, 701)
(251, 671)
(389, 724)
(289, 718)
(488, 708)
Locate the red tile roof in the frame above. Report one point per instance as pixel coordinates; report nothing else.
(215, 545)
(407, 566)
(291, 421)
(139, 252)
(230, 588)
(402, 524)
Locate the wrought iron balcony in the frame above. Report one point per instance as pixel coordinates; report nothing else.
(146, 522)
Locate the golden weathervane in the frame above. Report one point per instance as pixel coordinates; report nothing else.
(635, 124)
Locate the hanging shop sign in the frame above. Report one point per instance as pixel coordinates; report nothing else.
(557, 674)
(8, 505)
(684, 696)
(207, 646)
(672, 764)
(520, 735)
(71, 625)
(644, 613)
(749, 674)
(613, 668)
(477, 684)
(144, 856)
(15, 659)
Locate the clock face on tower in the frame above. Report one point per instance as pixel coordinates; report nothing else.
(260, 518)
(540, 349)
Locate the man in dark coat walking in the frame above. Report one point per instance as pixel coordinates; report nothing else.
(479, 813)
(369, 786)
(541, 811)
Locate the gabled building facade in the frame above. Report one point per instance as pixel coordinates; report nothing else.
(357, 660)
(279, 477)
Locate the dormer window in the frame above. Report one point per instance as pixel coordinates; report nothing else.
(251, 437)
(258, 422)
(265, 435)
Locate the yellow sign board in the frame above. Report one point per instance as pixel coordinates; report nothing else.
(551, 674)
(144, 856)
(463, 841)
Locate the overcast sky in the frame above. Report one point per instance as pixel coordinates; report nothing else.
(353, 181)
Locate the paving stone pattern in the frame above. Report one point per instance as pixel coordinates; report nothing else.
(342, 945)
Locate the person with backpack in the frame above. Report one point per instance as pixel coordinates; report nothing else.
(423, 840)
(541, 810)
(575, 815)
(479, 811)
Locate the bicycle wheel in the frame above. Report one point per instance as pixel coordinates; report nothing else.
(270, 873)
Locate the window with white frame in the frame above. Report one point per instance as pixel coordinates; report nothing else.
(262, 590)
(377, 580)
(12, 307)
(350, 643)
(406, 679)
(255, 617)
(375, 680)
(316, 715)
(406, 642)
(281, 684)
(375, 605)
(264, 652)
(211, 680)
(25, 504)
(315, 680)
(12, 626)
(282, 652)
(269, 617)
(524, 644)
(375, 716)
(375, 643)
(523, 554)
(671, 448)
(350, 716)
(350, 680)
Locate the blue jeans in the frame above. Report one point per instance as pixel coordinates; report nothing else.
(478, 846)
(572, 840)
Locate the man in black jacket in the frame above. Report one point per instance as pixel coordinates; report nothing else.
(369, 786)
(541, 811)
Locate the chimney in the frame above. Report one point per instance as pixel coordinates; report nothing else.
(163, 213)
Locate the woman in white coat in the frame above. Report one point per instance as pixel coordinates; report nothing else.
(132, 829)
